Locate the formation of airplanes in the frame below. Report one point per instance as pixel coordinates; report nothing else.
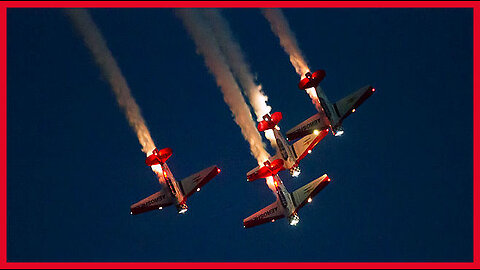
(306, 136)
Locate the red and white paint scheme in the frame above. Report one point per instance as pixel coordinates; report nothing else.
(290, 155)
(286, 204)
(330, 115)
(173, 192)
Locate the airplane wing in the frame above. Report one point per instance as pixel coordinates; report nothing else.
(190, 184)
(268, 214)
(307, 143)
(346, 105)
(155, 201)
(315, 122)
(301, 196)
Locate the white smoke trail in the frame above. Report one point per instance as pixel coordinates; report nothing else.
(236, 60)
(202, 35)
(281, 28)
(94, 40)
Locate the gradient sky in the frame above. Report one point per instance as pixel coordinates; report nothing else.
(401, 174)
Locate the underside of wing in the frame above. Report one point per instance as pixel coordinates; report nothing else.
(195, 181)
(315, 122)
(304, 194)
(350, 103)
(268, 214)
(152, 202)
(306, 144)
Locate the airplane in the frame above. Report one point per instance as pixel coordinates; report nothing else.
(329, 115)
(172, 192)
(286, 204)
(290, 155)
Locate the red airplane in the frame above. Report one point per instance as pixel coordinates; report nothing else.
(290, 155)
(173, 192)
(330, 115)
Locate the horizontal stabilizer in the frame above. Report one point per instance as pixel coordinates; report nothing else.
(270, 169)
(269, 121)
(302, 195)
(268, 214)
(190, 184)
(315, 122)
(158, 156)
(155, 201)
(307, 143)
(348, 104)
(312, 79)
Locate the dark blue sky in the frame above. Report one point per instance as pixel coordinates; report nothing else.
(401, 174)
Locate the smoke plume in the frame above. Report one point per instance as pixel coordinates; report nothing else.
(236, 60)
(241, 70)
(94, 40)
(207, 46)
(281, 28)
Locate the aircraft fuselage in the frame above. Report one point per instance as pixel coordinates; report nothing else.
(168, 182)
(327, 111)
(285, 152)
(285, 199)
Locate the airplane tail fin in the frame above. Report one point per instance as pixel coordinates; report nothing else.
(270, 169)
(253, 174)
(269, 121)
(312, 79)
(348, 104)
(158, 156)
(315, 122)
(305, 194)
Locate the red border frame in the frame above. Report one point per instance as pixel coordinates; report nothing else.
(237, 4)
